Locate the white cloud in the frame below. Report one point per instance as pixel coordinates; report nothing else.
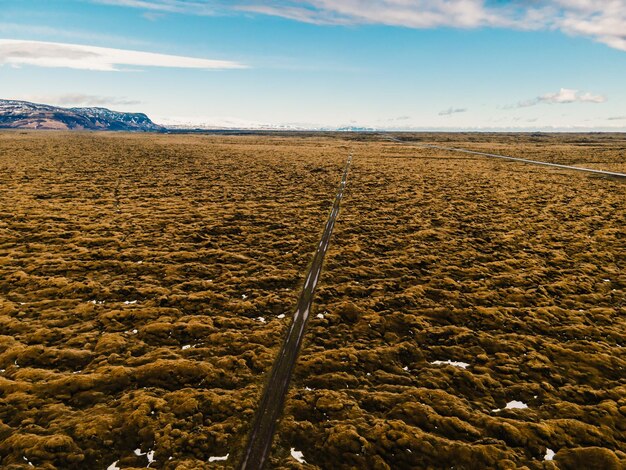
(563, 96)
(50, 54)
(412, 14)
(566, 95)
(450, 111)
(602, 20)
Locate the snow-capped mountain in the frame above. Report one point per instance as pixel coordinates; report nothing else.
(27, 115)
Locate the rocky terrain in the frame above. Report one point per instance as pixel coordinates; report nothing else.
(471, 313)
(26, 115)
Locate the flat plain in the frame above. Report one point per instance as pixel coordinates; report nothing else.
(471, 312)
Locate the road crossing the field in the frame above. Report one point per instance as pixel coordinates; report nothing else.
(259, 443)
(610, 174)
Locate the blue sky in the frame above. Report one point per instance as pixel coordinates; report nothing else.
(400, 64)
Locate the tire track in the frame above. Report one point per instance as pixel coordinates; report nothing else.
(610, 174)
(259, 443)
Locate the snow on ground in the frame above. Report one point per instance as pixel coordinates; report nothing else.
(114, 466)
(149, 455)
(513, 405)
(281, 316)
(516, 405)
(186, 346)
(261, 319)
(320, 316)
(217, 459)
(549, 454)
(463, 365)
(296, 454)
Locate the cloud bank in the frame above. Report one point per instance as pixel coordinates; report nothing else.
(79, 99)
(75, 56)
(563, 96)
(601, 20)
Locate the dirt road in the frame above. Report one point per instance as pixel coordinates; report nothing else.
(610, 174)
(260, 440)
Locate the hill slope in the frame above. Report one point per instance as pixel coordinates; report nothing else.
(26, 115)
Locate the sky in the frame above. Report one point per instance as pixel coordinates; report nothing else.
(385, 64)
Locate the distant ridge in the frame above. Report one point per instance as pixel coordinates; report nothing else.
(26, 115)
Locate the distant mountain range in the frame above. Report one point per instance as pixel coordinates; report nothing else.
(26, 115)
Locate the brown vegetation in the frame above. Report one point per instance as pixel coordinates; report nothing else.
(144, 279)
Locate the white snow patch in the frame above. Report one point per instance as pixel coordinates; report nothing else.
(516, 405)
(114, 466)
(135, 331)
(139, 262)
(149, 455)
(261, 319)
(320, 316)
(281, 316)
(130, 302)
(244, 296)
(217, 459)
(405, 368)
(463, 365)
(513, 405)
(549, 454)
(308, 389)
(29, 463)
(296, 454)
(606, 280)
(186, 346)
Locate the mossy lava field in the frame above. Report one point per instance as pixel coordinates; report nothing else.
(471, 313)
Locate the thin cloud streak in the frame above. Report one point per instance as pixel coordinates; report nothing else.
(451, 111)
(18, 53)
(18, 30)
(166, 6)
